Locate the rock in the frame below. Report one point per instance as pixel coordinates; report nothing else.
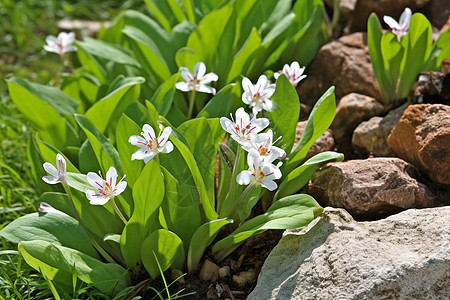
(244, 277)
(405, 256)
(90, 28)
(325, 142)
(351, 110)
(371, 136)
(370, 188)
(344, 63)
(393, 8)
(422, 138)
(209, 271)
(438, 12)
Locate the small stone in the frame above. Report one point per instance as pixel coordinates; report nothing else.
(224, 272)
(405, 256)
(90, 28)
(351, 111)
(325, 142)
(244, 277)
(370, 188)
(422, 138)
(371, 136)
(209, 271)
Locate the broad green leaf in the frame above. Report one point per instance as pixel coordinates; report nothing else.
(287, 213)
(318, 122)
(181, 33)
(186, 57)
(87, 160)
(374, 34)
(107, 51)
(244, 59)
(202, 238)
(59, 263)
(417, 43)
(392, 57)
(148, 193)
(163, 97)
(78, 181)
(93, 65)
(48, 154)
(189, 10)
(176, 10)
(226, 101)
(203, 145)
(180, 210)
(124, 130)
(44, 107)
(207, 204)
(163, 21)
(105, 113)
(148, 54)
(161, 250)
(154, 32)
(51, 227)
(213, 41)
(286, 112)
(106, 154)
(296, 179)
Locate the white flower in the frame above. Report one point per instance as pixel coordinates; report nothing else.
(44, 207)
(263, 143)
(259, 172)
(151, 145)
(257, 96)
(60, 44)
(399, 29)
(105, 189)
(294, 73)
(245, 129)
(198, 80)
(57, 175)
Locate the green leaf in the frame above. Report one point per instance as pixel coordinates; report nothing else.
(203, 145)
(124, 130)
(417, 43)
(206, 202)
(287, 213)
(148, 193)
(374, 34)
(106, 154)
(295, 180)
(286, 113)
(107, 51)
(51, 227)
(78, 181)
(105, 113)
(318, 122)
(45, 107)
(59, 263)
(392, 58)
(202, 238)
(164, 248)
(163, 97)
(226, 101)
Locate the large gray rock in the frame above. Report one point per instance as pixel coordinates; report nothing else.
(406, 256)
(370, 188)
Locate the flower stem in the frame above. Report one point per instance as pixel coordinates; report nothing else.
(118, 211)
(191, 104)
(244, 193)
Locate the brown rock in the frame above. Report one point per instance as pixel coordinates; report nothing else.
(422, 137)
(90, 28)
(344, 63)
(370, 188)
(393, 8)
(371, 136)
(325, 142)
(346, 8)
(209, 271)
(438, 12)
(351, 111)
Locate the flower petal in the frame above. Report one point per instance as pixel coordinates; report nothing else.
(139, 154)
(120, 188)
(95, 180)
(227, 125)
(206, 89)
(50, 179)
(149, 133)
(242, 117)
(253, 159)
(149, 156)
(136, 140)
(186, 74)
(50, 169)
(268, 184)
(247, 85)
(209, 77)
(245, 177)
(391, 22)
(111, 176)
(61, 164)
(261, 84)
(183, 86)
(167, 148)
(405, 18)
(165, 135)
(199, 70)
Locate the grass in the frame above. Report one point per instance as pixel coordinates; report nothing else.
(24, 24)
